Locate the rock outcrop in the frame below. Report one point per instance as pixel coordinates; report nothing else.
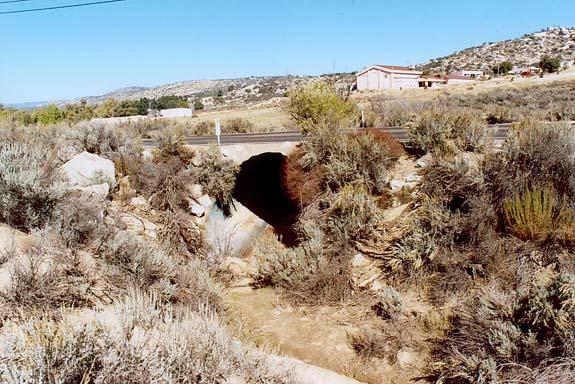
(90, 173)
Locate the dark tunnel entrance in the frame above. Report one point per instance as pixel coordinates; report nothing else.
(259, 187)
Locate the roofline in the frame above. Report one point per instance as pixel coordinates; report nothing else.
(384, 69)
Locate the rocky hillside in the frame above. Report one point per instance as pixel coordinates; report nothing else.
(522, 51)
(232, 92)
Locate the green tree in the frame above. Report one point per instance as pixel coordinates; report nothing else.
(49, 115)
(198, 105)
(316, 102)
(550, 64)
(79, 112)
(106, 109)
(503, 68)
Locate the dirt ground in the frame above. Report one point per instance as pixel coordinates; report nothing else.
(320, 335)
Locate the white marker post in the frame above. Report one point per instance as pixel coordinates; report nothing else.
(218, 130)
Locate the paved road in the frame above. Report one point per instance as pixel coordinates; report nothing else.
(499, 132)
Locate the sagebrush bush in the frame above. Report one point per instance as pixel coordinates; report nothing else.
(179, 236)
(172, 146)
(444, 132)
(349, 159)
(146, 344)
(78, 218)
(29, 189)
(534, 155)
(352, 215)
(504, 331)
(44, 277)
(131, 261)
(238, 126)
(217, 176)
(369, 344)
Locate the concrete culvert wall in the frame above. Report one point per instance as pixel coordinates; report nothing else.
(260, 188)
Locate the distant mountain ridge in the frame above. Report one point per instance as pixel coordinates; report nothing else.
(225, 92)
(523, 51)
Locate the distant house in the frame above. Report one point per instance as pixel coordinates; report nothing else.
(431, 81)
(457, 79)
(468, 73)
(176, 112)
(387, 77)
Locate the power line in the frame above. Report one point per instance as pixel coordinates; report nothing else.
(60, 7)
(13, 1)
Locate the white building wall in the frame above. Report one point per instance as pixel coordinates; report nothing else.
(373, 79)
(176, 112)
(460, 81)
(405, 81)
(362, 82)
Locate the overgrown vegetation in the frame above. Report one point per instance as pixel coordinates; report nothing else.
(348, 178)
(160, 317)
(498, 234)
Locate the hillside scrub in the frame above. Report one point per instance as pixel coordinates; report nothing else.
(547, 102)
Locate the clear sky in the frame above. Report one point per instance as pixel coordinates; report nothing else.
(89, 51)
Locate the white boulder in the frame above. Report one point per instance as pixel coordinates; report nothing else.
(87, 169)
(100, 191)
(197, 210)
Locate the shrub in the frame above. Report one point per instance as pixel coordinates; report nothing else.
(314, 103)
(348, 159)
(179, 236)
(302, 186)
(282, 267)
(171, 146)
(238, 126)
(44, 277)
(352, 215)
(502, 332)
(550, 64)
(217, 176)
(204, 128)
(534, 155)
(394, 148)
(77, 219)
(170, 183)
(445, 132)
(536, 214)
(146, 344)
(29, 191)
(131, 262)
(369, 344)
(314, 272)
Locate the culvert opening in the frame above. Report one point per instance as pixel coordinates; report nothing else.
(259, 187)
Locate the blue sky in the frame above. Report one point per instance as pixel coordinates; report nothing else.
(89, 51)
